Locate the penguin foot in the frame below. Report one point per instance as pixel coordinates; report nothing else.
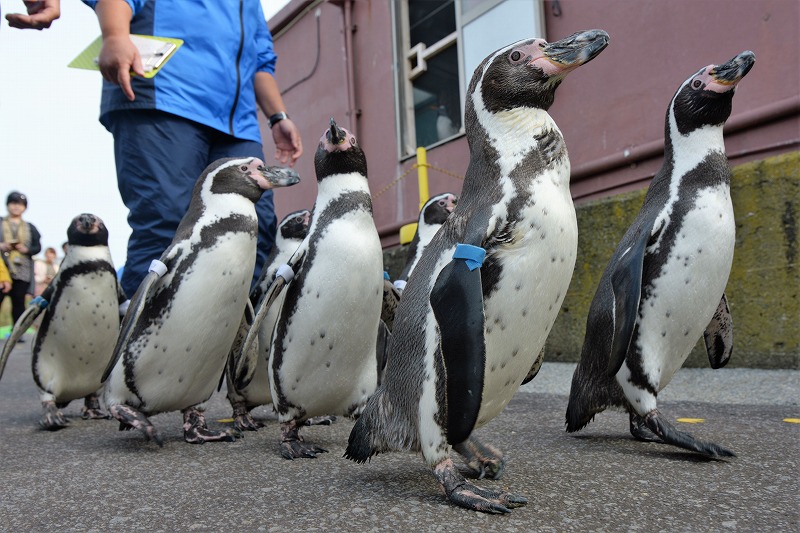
(464, 494)
(325, 420)
(91, 409)
(483, 459)
(195, 430)
(243, 420)
(293, 446)
(640, 431)
(132, 418)
(670, 435)
(52, 418)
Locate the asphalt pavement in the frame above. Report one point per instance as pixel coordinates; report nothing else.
(91, 477)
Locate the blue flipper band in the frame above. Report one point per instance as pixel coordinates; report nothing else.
(386, 275)
(41, 302)
(472, 255)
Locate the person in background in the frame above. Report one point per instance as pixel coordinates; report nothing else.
(200, 107)
(44, 270)
(41, 14)
(20, 242)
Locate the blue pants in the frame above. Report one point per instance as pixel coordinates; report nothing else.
(159, 157)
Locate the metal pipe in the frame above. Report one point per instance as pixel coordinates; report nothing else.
(349, 67)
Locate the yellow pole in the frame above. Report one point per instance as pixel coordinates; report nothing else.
(422, 175)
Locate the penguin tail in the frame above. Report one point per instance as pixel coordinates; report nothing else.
(586, 399)
(359, 445)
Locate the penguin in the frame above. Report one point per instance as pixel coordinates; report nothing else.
(80, 323)
(182, 321)
(323, 358)
(291, 232)
(431, 217)
(475, 314)
(664, 285)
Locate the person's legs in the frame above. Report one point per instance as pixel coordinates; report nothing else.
(17, 294)
(227, 146)
(159, 157)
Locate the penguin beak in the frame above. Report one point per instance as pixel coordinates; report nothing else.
(337, 135)
(277, 177)
(575, 50)
(725, 77)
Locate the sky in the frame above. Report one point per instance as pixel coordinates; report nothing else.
(52, 146)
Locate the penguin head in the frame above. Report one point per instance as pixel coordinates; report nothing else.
(248, 177)
(87, 229)
(528, 72)
(294, 226)
(706, 98)
(338, 153)
(438, 208)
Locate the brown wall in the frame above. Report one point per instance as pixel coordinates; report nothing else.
(615, 103)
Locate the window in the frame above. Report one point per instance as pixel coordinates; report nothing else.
(439, 44)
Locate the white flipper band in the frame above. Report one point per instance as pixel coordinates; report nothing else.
(286, 272)
(399, 284)
(158, 267)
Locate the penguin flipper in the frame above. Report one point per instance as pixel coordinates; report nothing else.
(34, 309)
(457, 303)
(626, 284)
(132, 317)
(718, 335)
(236, 348)
(244, 371)
(537, 365)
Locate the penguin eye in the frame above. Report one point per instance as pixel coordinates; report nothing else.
(244, 168)
(515, 56)
(353, 141)
(696, 84)
(298, 219)
(441, 203)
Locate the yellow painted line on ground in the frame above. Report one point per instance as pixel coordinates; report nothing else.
(792, 420)
(691, 420)
(225, 420)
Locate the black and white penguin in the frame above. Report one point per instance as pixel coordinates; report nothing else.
(80, 324)
(323, 355)
(664, 285)
(181, 323)
(431, 217)
(469, 329)
(291, 232)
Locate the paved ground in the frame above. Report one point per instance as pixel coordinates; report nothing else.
(90, 477)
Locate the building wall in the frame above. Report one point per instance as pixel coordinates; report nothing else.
(610, 111)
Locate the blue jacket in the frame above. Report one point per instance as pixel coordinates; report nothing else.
(210, 78)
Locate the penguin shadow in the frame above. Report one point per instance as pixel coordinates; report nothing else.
(626, 445)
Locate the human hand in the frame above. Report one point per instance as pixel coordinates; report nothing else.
(5, 247)
(117, 58)
(41, 15)
(288, 145)
(5, 286)
(21, 248)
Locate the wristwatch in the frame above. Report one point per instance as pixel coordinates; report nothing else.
(277, 117)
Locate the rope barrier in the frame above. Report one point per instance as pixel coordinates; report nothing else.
(411, 169)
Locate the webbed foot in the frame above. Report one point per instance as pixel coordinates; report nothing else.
(195, 430)
(133, 418)
(640, 431)
(293, 446)
(52, 418)
(465, 494)
(324, 420)
(91, 409)
(242, 419)
(483, 459)
(670, 435)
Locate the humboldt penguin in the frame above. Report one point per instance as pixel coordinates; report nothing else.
(475, 314)
(323, 357)
(431, 217)
(80, 323)
(179, 328)
(664, 286)
(291, 232)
